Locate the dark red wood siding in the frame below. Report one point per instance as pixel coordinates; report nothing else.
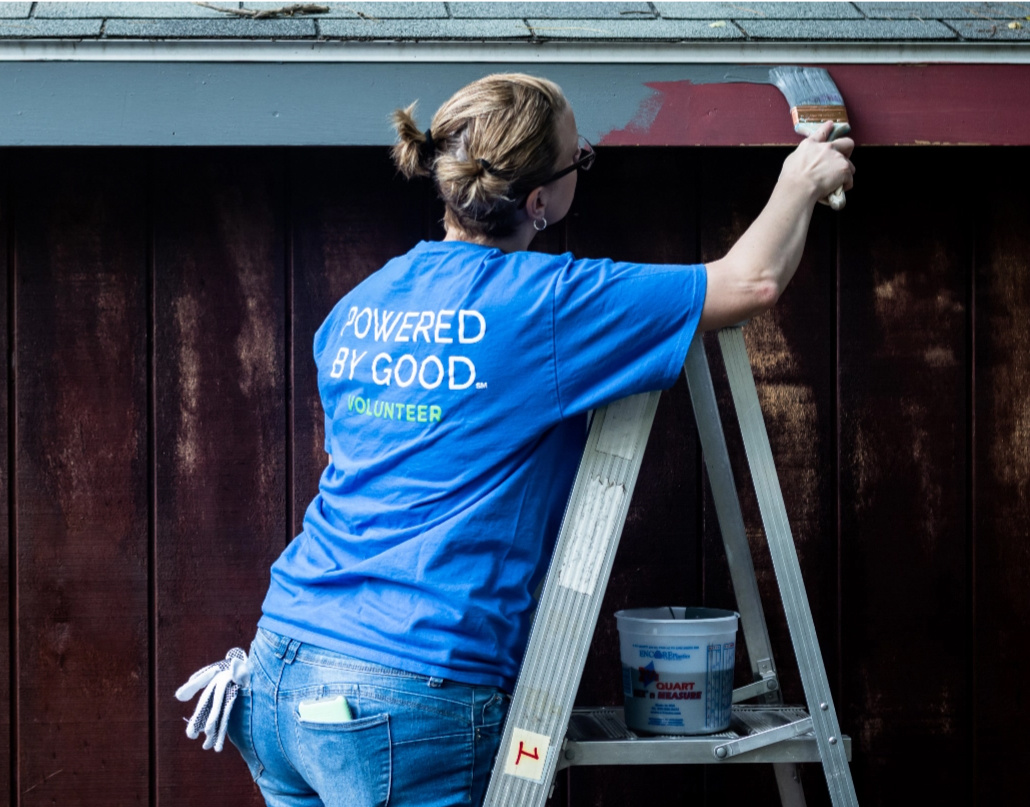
(164, 437)
(79, 493)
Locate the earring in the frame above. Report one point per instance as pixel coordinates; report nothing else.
(538, 226)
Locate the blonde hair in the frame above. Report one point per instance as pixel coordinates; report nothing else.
(489, 145)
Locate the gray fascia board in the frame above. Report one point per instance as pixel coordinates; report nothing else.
(161, 103)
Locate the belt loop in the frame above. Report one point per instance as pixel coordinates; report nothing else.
(291, 651)
(282, 646)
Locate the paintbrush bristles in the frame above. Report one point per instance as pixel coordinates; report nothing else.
(806, 86)
(812, 96)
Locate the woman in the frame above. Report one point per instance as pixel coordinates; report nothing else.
(456, 382)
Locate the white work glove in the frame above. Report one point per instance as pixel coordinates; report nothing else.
(221, 682)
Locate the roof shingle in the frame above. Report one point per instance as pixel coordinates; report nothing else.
(760, 11)
(531, 22)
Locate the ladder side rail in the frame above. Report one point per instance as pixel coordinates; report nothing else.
(569, 605)
(738, 550)
(729, 515)
(787, 568)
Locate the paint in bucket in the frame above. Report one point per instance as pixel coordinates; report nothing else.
(677, 668)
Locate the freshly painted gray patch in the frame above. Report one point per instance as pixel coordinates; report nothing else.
(211, 29)
(424, 29)
(674, 30)
(929, 11)
(44, 29)
(826, 30)
(15, 10)
(987, 29)
(166, 104)
(758, 11)
(130, 10)
(591, 11)
(384, 10)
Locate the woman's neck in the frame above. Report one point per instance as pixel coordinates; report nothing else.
(518, 241)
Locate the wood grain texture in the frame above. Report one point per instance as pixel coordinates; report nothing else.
(220, 421)
(658, 562)
(927, 469)
(1001, 485)
(81, 478)
(10, 584)
(340, 237)
(903, 474)
(792, 356)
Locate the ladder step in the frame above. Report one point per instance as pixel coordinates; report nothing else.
(599, 736)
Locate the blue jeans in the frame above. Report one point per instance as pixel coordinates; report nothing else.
(413, 741)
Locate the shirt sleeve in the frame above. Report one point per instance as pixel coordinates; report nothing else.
(622, 328)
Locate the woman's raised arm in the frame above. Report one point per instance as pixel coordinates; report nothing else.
(756, 270)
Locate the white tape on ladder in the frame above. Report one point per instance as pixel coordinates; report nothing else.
(595, 523)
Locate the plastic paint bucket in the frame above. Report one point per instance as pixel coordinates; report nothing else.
(677, 668)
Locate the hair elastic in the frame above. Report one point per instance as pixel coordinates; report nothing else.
(488, 167)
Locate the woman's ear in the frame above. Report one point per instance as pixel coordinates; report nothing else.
(536, 203)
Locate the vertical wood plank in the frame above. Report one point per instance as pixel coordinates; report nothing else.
(10, 584)
(658, 559)
(903, 446)
(219, 256)
(1001, 521)
(791, 349)
(81, 478)
(344, 230)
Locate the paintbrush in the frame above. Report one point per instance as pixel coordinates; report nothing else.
(814, 99)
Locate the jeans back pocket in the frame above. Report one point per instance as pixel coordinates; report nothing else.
(348, 762)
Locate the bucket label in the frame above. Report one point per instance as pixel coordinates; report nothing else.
(694, 698)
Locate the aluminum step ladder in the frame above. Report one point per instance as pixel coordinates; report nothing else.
(543, 734)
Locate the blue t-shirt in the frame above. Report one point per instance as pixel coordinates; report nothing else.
(455, 383)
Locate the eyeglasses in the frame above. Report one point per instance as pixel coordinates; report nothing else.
(584, 160)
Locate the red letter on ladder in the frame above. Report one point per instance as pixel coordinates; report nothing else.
(524, 753)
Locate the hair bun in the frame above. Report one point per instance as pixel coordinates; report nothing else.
(410, 154)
